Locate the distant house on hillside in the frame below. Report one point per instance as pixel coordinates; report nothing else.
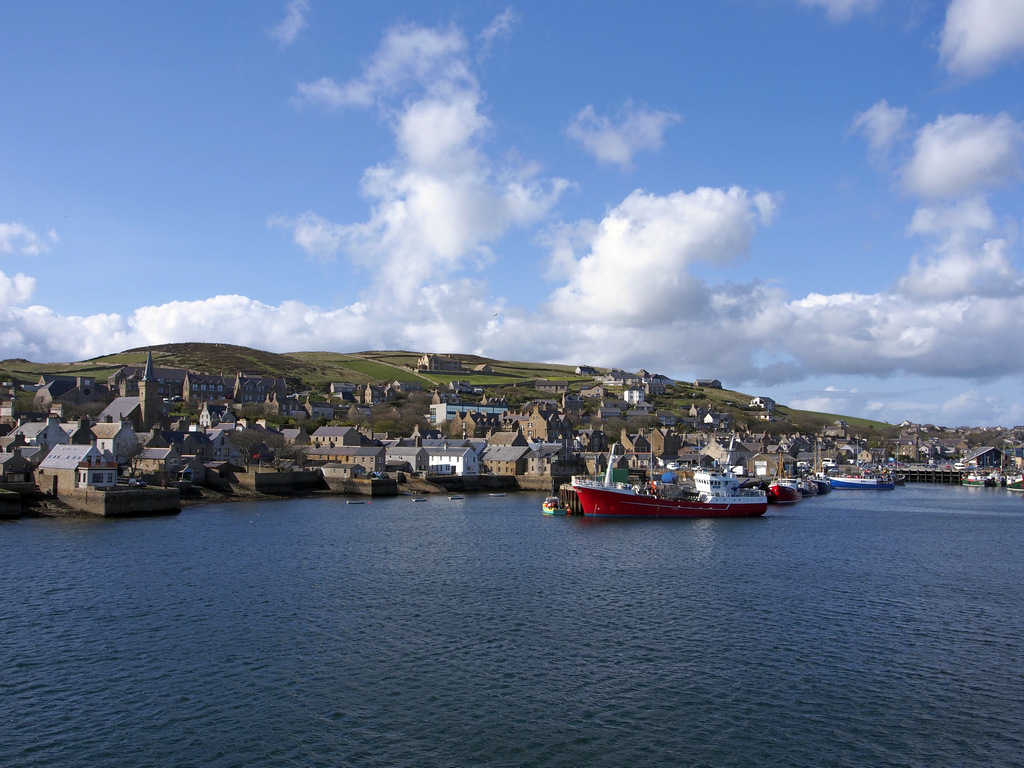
(441, 363)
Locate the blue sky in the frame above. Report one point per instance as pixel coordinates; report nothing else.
(815, 200)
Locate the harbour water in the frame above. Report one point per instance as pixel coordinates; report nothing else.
(862, 628)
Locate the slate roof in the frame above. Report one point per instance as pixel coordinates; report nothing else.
(68, 456)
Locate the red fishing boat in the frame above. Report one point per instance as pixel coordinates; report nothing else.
(712, 495)
(784, 491)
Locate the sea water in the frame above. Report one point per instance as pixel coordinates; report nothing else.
(862, 628)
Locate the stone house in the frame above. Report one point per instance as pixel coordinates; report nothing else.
(333, 437)
(409, 458)
(220, 446)
(69, 390)
(285, 407)
(548, 460)
(170, 382)
(551, 387)
(252, 388)
(164, 462)
(207, 387)
(68, 466)
(318, 409)
(440, 363)
(15, 468)
(116, 438)
(343, 390)
(508, 460)
(591, 441)
(372, 458)
(296, 436)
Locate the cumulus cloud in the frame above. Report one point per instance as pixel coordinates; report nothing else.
(293, 24)
(410, 55)
(617, 141)
(967, 256)
(979, 35)
(960, 154)
(882, 125)
(437, 207)
(842, 10)
(636, 270)
(318, 237)
(15, 290)
(16, 237)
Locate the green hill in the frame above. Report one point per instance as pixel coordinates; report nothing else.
(316, 370)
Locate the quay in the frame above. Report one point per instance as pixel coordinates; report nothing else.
(926, 474)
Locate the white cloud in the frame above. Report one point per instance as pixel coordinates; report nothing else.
(409, 56)
(979, 35)
(500, 27)
(15, 237)
(617, 141)
(293, 23)
(882, 125)
(436, 208)
(636, 269)
(842, 10)
(318, 237)
(968, 256)
(15, 290)
(961, 154)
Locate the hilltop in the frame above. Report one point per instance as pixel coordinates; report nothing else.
(315, 370)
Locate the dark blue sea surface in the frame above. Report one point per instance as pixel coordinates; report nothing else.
(862, 628)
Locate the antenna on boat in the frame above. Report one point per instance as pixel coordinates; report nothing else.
(608, 470)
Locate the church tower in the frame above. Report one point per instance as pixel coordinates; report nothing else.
(150, 411)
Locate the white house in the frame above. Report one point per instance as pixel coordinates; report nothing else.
(453, 461)
(633, 395)
(44, 434)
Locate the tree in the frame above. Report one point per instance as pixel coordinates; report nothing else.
(284, 454)
(133, 455)
(248, 442)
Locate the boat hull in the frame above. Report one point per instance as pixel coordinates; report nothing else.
(783, 494)
(598, 501)
(862, 483)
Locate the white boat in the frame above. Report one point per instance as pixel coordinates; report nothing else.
(867, 482)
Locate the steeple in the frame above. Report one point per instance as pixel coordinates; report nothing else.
(150, 412)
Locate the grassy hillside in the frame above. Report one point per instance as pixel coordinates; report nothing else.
(315, 371)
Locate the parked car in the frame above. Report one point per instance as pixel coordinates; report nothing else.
(136, 482)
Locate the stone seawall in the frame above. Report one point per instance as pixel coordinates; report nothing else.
(280, 483)
(10, 505)
(129, 502)
(364, 487)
